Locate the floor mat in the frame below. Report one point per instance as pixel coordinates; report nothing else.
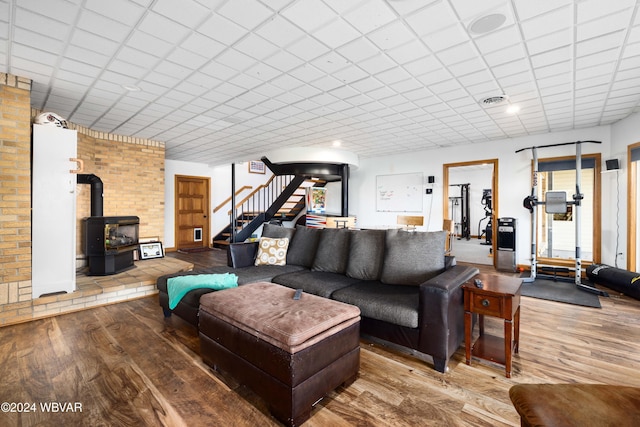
(560, 291)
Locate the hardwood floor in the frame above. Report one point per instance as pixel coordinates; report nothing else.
(124, 364)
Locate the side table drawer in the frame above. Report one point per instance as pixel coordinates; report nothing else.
(486, 304)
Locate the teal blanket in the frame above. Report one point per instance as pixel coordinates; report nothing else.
(177, 287)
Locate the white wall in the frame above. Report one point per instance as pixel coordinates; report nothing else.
(220, 190)
(623, 134)
(514, 181)
(514, 178)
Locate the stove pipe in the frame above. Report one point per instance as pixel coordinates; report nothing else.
(96, 192)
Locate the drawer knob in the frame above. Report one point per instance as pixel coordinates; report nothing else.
(485, 303)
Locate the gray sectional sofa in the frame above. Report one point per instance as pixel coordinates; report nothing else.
(409, 293)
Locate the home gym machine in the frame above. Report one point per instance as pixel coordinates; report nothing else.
(488, 212)
(465, 223)
(556, 202)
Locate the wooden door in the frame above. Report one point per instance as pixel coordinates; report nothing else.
(192, 212)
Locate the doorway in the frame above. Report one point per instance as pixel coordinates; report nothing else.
(470, 200)
(192, 212)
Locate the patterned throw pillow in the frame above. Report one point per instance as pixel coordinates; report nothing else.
(272, 251)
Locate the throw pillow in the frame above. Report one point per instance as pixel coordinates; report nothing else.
(366, 254)
(272, 251)
(304, 244)
(333, 251)
(412, 258)
(277, 231)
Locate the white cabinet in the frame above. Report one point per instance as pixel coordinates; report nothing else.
(53, 217)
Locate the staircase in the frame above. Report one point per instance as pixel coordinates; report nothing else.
(281, 198)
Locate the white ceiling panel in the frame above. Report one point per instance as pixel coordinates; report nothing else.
(224, 80)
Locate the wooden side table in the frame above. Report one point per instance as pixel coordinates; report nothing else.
(499, 297)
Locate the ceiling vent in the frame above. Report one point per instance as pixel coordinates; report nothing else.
(493, 100)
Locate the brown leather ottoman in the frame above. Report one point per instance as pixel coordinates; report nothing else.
(568, 405)
(291, 353)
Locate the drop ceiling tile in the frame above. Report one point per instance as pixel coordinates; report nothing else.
(498, 39)
(245, 81)
(549, 22)
(408, 52)
(611, 23)
(308, 48)
(446, 38)
(592, 9)
(247, 13)
(551, 57)
(470, 67)
(606, 46)
(222, 30)
(336, 33)
(161, 79)
(202, 45)
(376, 64)
(326, 83)
(330, 62)
(551, 41)
(147, 43)
(256, 47)
(102, 26)
(358, 50)
(372, 14)
(350, 74)
(407, 85)
(436, 16)
(309, 15)
(393, 75)
(392, 35)
(457, 53)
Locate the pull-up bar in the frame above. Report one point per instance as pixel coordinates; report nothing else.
(530, 202)
(559, 144)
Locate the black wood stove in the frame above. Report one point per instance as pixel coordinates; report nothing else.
(110, 242)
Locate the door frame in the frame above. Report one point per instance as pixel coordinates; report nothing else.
(206, 234)
(632, 211)
(494, 194)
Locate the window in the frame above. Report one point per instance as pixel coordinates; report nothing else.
(556, 232)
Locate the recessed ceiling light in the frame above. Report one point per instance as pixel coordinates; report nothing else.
(492, 100)
(513, 109)
(487, 23)
(337, 143)
(131, 88)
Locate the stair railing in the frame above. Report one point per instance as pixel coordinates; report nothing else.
(254, 207)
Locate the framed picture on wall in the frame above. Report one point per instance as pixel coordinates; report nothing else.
(256, 166)
(151, 250)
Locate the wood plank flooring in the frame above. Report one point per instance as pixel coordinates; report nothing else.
(127, 365)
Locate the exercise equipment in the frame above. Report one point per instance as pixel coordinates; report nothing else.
(624, 281)
(506, 244)
(465, 223)
(556, 202)
(488, 212)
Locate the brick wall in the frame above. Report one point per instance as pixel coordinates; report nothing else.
(132, 171)
(15, 192)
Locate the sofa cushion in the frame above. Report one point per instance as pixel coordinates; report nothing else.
(319, 283)
(277, 231)
(303, 246)
(393, 304)
(412, 257)
(272, 251)
(333, 251)
(366, 254)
